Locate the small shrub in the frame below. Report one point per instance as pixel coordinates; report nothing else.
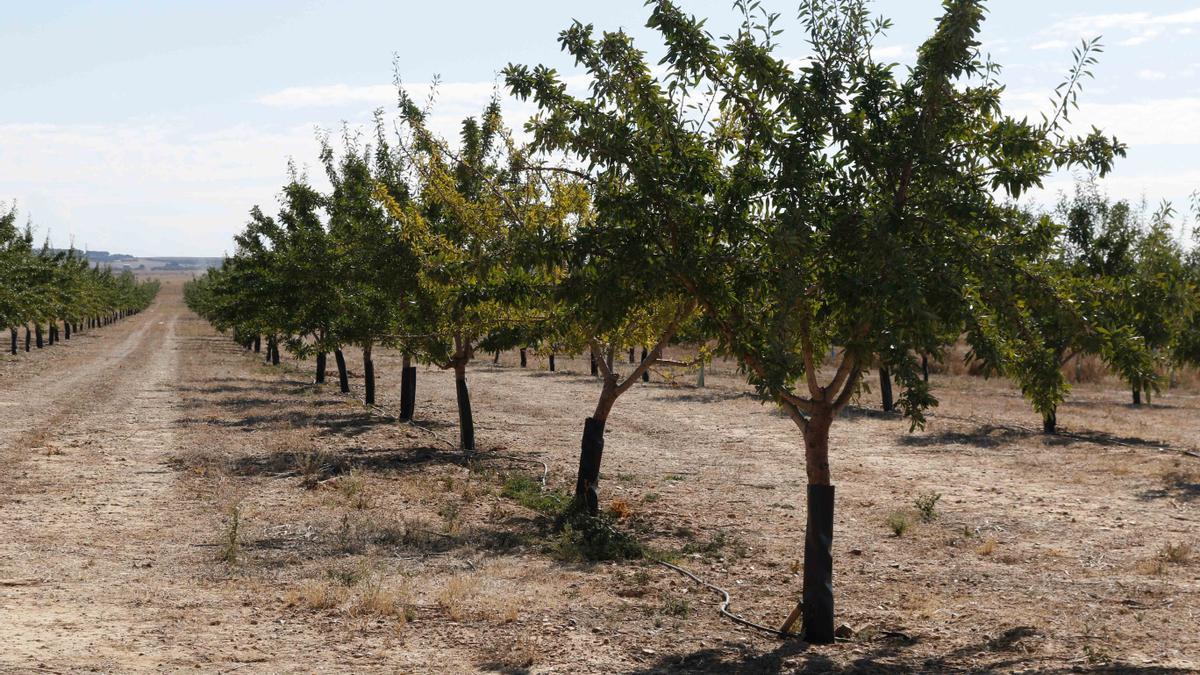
(313, 467)
(988, 547)
(231, 536)
(452, 516)
(529, 493)
(926, 504)
(673, 606)
(354, 490)
(585, 537)
(651, 497)
(898, 522)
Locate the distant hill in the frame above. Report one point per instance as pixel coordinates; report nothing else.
(120, 261)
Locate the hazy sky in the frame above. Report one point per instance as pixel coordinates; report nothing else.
(151, 127)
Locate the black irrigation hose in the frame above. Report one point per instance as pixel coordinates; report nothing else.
(724, 608)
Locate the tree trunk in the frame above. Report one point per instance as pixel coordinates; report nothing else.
(66, 330)
(925, 368)
(343, 377)
(595, 368)
(408, 389)
(631, 357)
(466, 422)
(274, 351)
(369, 373)
(1050, 422)
(816, 605)
(27, 337)
(646, 372)
(37, 331)
(1137, 395)
(700, 377)
(591, 450)
(320, 367)
(257, 344)
(552, 362)
(13, 332)
(522, 357)
(885, 389)
(496, 357)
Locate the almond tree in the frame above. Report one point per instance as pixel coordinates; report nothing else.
(835, 203)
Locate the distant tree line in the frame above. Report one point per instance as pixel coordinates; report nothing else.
(53, 293)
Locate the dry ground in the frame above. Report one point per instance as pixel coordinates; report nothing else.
(170, 503)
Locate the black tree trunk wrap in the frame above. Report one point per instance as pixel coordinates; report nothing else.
(587, 485)
(320, 367)
(1137, 395)
(552, 362)
(466, 423)
(1050, 422)
(595, 368)
(13, 331)
(66, 330)
(885, 389)
(37, 331)
(257, 344)
(818, 566)
(408, 392)
(522, 357)
(496, 357)
(631, 357)
(343, 377)
(369, 375)
(646, 372)
(274, 352)
(26, 338)
(925, 368)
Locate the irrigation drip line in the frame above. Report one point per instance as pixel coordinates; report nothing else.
(724, 608)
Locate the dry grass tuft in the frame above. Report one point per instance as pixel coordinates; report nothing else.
(315, 595)
(457, 593)
(988, 547)
(1177, 554)
(620, 509)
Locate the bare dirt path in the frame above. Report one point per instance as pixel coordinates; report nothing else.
(100, 562)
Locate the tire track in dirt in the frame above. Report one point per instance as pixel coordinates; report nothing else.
(93, 516)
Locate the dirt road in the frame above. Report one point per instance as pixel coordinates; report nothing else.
(363, 545)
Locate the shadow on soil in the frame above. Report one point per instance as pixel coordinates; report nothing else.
(884, 655)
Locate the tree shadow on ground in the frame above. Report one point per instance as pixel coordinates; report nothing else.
(705, 395)
(863, 412)
(984, 436)
(289, 463)
(1180, 486)
(887, 654)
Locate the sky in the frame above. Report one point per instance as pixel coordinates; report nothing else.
(151, 128)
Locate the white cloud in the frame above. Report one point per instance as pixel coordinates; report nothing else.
(1147, 74)
(1167, 121)
(1051, 44)
(1136, 28)
(890, 52)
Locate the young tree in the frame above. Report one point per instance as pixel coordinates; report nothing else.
(833, 203)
